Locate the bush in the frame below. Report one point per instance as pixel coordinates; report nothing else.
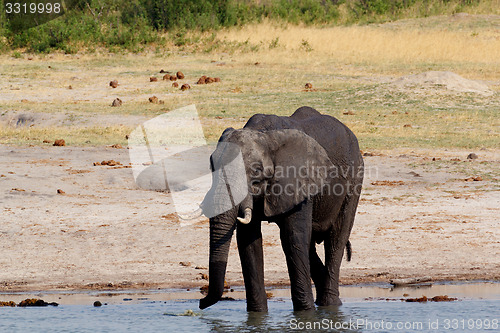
(132, 24)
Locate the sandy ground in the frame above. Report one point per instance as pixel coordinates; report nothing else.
(417, 217)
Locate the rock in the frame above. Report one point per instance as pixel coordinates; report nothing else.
(162, 71)
(59, 191)
(407, 126)
(109, 163)
(185, 86)
(59, 143)
(166, 77)
(349, 113)
(35, 302)
(70, 87)
(175, 85)
(117, 146)
(113, 84)
(97, 304)
(117, 102)
(153, 99)
(153, 79)
(424, 299)
(180, 75)
(474, 179)
(185, 263)
(202, 80)
(204, 276)
(471, 156)
(308, 85)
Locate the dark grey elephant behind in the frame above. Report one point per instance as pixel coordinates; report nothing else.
(305, 173)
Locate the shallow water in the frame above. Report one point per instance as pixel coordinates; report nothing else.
(153, 311)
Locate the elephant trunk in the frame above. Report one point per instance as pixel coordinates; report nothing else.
(221, 232)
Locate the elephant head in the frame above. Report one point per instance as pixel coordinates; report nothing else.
(280, 169)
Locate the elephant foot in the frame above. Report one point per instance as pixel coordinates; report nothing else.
(257, 308)
(207, 301)
(331, 301)
(303, 306)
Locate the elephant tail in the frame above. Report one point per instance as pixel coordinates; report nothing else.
(348, 250)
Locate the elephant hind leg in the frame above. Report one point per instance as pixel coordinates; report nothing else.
(318, 272)
(335, 245)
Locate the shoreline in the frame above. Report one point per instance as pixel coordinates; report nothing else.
(138, 286)
(471, 290)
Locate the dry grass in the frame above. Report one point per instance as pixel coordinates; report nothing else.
(384, 46)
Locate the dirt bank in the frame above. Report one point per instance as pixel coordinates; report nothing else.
(421, 213)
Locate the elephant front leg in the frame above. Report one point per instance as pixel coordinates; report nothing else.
(249, 239)
(295, 234)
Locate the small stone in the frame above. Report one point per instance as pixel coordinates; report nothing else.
(117, 102)
(175, 85)
(185, 86)
(153, 99)
(59, 191)
(113, 84)
(202, 80)
(308, 85)
(407, 126)
(185, 263)
(472, 156)
(97, 304)
(59, 143)
(349, 113)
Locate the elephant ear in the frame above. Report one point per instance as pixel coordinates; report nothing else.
(301, 169)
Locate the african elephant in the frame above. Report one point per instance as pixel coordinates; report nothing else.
(304, 173)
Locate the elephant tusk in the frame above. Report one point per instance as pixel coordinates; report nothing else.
(247, 218)
(197, 213)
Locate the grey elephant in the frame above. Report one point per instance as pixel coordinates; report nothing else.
(304, 173)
